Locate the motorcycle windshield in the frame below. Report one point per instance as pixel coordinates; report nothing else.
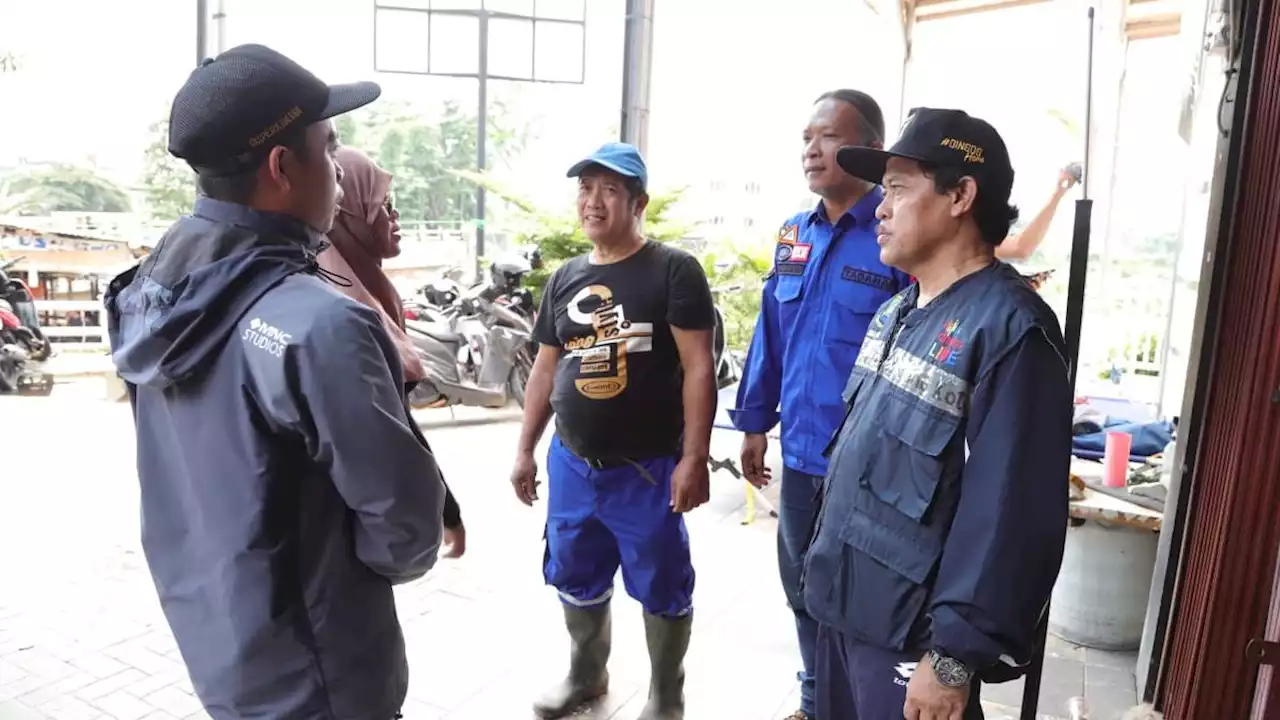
(26, 312)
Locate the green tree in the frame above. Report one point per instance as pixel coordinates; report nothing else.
(61, 188)
(168, 183)
(737, 275)
(423, 153)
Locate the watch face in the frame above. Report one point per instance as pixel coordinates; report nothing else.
(949, 671)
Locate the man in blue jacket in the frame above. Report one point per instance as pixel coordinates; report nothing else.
(826, 284)
(944, 510)
(284, 486)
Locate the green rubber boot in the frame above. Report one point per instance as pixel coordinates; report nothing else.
(590, 638)
(668, 640)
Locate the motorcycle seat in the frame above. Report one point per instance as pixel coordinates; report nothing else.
(435, 331)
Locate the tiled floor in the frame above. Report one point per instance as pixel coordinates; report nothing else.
(1104, 679)
(81, 636)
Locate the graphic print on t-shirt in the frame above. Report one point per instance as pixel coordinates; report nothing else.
(602, 354)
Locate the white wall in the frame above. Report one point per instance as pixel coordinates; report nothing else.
(733, 86)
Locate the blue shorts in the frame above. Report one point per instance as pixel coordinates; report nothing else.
(598, 520)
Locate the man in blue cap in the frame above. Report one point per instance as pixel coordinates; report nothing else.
(625, 362)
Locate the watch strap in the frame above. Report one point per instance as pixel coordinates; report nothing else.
(949, 671)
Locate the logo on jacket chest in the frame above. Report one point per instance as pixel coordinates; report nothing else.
(947, 347)
(923, 366)
(266, 337)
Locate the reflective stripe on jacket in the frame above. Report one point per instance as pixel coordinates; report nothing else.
(944, 512)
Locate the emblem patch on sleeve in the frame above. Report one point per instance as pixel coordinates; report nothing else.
(790, 255)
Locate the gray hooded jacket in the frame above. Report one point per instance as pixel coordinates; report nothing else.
(284, 490)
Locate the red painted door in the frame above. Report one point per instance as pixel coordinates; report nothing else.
(1266, 699)
(1228, 564)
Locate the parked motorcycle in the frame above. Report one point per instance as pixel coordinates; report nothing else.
(481, 351)
(22, 343)
(415, 308)
(506, 281)
(728, 364)
(444, 291)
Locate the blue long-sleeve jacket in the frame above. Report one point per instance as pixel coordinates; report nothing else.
(944, 513)
(827, 283)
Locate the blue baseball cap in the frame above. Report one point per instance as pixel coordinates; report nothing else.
(622, 158)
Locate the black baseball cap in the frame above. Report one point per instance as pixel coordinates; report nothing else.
(234, 108)
(943, 138)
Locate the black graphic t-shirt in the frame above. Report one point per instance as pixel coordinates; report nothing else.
(618, 388)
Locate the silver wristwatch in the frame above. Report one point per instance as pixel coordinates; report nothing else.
(949, 671)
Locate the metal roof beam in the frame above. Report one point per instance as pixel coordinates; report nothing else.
(1150, 22)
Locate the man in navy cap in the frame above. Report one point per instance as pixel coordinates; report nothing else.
(285, 488)
(944, 509)
(625, 362)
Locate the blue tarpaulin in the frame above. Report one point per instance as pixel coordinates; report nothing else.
(1149, 438)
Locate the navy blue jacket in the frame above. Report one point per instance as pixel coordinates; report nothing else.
(827, 283)
(284, 490)
(944, 512)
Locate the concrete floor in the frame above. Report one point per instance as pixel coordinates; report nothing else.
(82, 638)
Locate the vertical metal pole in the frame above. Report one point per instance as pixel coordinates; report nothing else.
(637, 68)
(202, 29)
(1088, 112)
(628, 83)
(1071, 334)
(1167, 337)
(907, 19)
(482, 135)
(1076, 284)
(220, 22)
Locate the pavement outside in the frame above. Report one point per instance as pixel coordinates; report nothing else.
(82, 636)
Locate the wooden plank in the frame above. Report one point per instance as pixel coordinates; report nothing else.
(1154, 25)
(957, 8)
(1152, 32)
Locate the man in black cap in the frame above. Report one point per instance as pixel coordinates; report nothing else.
(944, 510)
(284, 486)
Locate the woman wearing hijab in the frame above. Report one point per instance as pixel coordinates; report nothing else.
(366, 232)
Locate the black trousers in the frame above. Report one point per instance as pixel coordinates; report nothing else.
(857, 681)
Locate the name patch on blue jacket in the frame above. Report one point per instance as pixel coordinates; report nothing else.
(868, 278)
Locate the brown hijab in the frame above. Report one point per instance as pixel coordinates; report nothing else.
(356, 251)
